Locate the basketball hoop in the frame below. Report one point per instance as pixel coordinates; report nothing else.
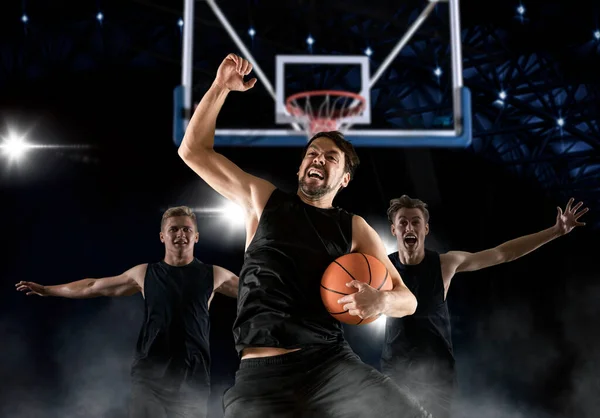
(329, 114)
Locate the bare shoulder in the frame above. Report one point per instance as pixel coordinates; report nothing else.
(360, 225)
(138, 273)
(451, 258)
(261, 191)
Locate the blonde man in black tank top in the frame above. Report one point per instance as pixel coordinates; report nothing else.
(170, 374)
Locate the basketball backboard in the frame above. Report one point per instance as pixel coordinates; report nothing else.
(281, 75)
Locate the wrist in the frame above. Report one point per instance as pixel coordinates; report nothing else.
(219, 88)
(382, 301)
(556, 231)
(46, 291)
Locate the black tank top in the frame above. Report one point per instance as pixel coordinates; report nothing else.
(279, 302)
(173, 345)
(426, 333)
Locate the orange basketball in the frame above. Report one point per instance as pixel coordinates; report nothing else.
(357, 266)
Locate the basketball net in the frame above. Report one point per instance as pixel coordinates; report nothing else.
(324, 110)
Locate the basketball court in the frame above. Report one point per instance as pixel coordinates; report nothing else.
(369, 95)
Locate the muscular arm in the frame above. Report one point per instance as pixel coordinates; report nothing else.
(458, 261)
(225, 282)
(397, 302)
(226, 178)
(126, 284)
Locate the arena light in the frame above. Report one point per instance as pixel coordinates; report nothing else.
(597, 35)
(379, 323)
(234, 214)
(437, 71)
(14, 147)
(521, 10)
(502, 95)
(368, 52)
(100, 17)
(180, 22)
(560, 122)
(24, 18)
(310, 40)
(251, 32)
(377, 327)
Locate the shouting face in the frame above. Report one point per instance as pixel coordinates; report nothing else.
(410, 230)
(322, 170)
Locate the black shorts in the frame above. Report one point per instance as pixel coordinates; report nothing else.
(149, 400)
(318, 382)
(432, 382)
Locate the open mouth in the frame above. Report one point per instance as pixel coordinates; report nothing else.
(313, 173)
(410, 239)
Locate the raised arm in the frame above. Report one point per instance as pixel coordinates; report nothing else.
(248, 191)
(225, 282)
(459, 261)
(368, 302)
(126, 284)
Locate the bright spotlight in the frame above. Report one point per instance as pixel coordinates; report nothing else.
(389, 241)
(368, 52)
(379, 324)
(14, 147)
(502, 95)
(180, 22)
(521, 10)
(234, 214)
(437, 72)
(560, 122)
(251, 32)
(310, 40)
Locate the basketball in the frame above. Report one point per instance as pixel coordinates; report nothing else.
(353, 266)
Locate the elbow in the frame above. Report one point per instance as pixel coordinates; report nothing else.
(503, 255)
(197, 154)
(184, 152)
(412, 306)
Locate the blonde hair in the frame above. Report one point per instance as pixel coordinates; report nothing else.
(178, 211)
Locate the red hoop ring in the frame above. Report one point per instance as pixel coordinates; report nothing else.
(294, 110)
(329, 122)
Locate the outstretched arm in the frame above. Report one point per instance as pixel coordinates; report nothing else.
(459, 261)
(367, 301)
(226, 178)
(126, 284)
(225, 282)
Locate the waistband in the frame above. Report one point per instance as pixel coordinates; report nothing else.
(305, 354)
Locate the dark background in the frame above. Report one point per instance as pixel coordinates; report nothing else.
(525, 333)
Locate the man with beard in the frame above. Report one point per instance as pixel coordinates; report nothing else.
(417, 352)
(171, 370)
(294, 360)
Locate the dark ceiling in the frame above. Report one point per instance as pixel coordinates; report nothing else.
(546, 60)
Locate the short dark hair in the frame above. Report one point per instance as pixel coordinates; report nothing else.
(405, 201)
(351, 159)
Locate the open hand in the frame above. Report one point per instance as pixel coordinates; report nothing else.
(569, 219)
(31, 288)
(231, 72)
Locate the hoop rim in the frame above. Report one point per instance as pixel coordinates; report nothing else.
(295, 110)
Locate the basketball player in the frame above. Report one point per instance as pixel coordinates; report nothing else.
(294, 360)
(170, 373)
(417, 352)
